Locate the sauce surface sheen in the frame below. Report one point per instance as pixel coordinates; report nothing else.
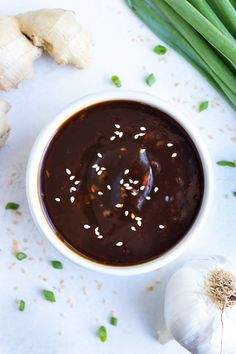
(121, 183)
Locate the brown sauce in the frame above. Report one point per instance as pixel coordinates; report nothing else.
(121, 183)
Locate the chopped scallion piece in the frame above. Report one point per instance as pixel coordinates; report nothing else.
(226, 163)
(150, 80)
(160, 49)
(113, 321)
(12, 206)
(57, 264)
(49, 295)
(20, 256)
(21, 305)
(203, 106)
(116, 81)
(102, 333)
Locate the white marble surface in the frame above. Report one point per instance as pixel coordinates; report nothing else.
(123, 46)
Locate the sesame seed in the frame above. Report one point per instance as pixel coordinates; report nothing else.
(57, 200)
(119, 205)
(99, 155)
(117, 132)
(72, 189)
(142, 151)
(77, 182)
(95, 166)
(141, 134)
(167, 198)
(72, 199)
(126, 185)
(96, 229)
(143, 129)
(148, 198)
(128, 188)
(109, 187)
(99, 172)
(135, 182)
(136, 136)
(86, 226)
(117, 126)
(118, 244)
(134, 193)
(68, 171)
(100, 193)
(161, 227)
(131, 181)
(138, 218)
(132, 216)
(169, 145)
(122, 181)
(112, 138)
(126, 171)
(139, 222)
(133, 228)
(174, 154)
(100, 236)
(72, 177)
(103, 168)
(142, 188)
(156, 189)
(126, 213)
(120, 134)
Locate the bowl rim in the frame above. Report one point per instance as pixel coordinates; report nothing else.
(40, 146)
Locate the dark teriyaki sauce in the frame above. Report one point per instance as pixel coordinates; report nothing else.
(121, 183)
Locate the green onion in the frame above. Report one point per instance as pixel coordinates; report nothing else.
(150, 79)
(20, 256)
(226, 12)
(203, 105)
(49, 295)
(234, 193)
(21, 305)
(102, 333)
(116, 81)
(114, 321)
(57, 264)
(226, 163)
(12, 206)
(160, 49)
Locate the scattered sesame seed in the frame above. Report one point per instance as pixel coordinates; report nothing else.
(119, 205)
(142, 188)
(77, 182)
(148, 197)
(86, 226)
(117, 132)
(121, 134)
(122, 181)
(109, 187)
(139, 222)
(103, 168)
(100, 193)
(156, 189)
(174, 154)
(131, 181)
(135, 182)
(99, 172)
(72, 199)
(96, 229)
(142, 151)
(169, 145)
(141, 134)
(132, 216)
(136, 136)
(138, 218)
(117, 126)
(126, 171)
(133, 228)
(161, 227)
(126, 213)
(72, 177)
(72, 189)
(128, 188)
(112, 138)
(167, 198)
(134, 193)
(100, 236)
(119, 244)
(95, 166)
(68, 171)
(57, 200)
(99, 155)
(143, 129)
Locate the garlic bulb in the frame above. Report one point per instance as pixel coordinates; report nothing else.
(200, 306)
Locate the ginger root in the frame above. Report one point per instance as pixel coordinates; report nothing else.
(17, 54)
(59, 33)
(4, 126)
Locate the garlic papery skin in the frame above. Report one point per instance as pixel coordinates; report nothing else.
(200, 306)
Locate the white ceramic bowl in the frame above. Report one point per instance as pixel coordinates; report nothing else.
(40, 146)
